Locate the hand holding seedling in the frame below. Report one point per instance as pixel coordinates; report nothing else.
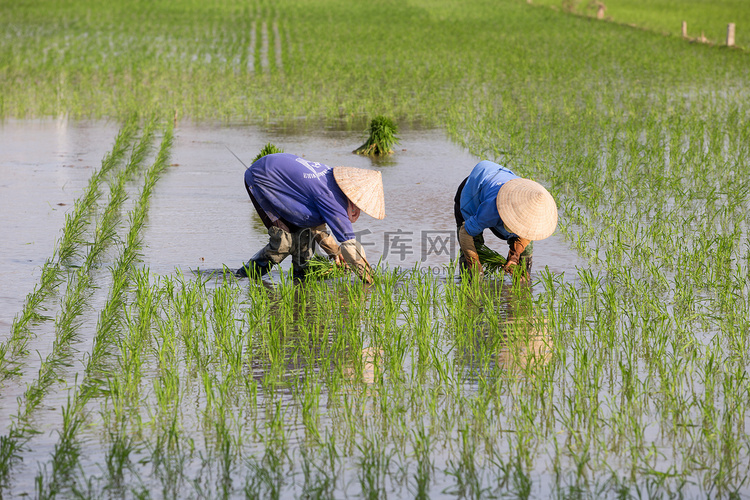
(353, 253)
(515, 250)
(469, 251)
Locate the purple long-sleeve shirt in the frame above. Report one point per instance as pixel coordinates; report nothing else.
(299, 191)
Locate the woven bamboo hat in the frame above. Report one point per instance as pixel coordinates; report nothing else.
(363, 187)
(527, 209)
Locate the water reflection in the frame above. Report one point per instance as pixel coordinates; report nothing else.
(305, 327)
(533, 351)
(502, 334)
(324, 328)
(364, 369)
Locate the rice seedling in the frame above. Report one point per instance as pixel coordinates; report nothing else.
(67, 247)
(381, 137)
(268, 149)
(492, 261)
(67, 324)
(321, 268)
(67, 453)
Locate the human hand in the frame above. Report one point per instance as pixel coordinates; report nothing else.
(517, 271)
(338, 260)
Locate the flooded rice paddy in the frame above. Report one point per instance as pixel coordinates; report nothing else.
(201, 217)
(152, 377)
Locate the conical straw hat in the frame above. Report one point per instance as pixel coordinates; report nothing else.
(527, 209)
(364, 187)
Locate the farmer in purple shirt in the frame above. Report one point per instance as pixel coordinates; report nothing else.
(516, 210)
(296, 199)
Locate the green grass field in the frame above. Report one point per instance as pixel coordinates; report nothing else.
(706, 17)
(266, 60)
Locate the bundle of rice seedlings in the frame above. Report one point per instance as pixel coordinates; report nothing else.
(321, 268)
(268, 149)
(382, 137)
(492, 261)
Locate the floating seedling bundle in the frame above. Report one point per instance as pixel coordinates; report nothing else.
(268, 149)
(382, 137)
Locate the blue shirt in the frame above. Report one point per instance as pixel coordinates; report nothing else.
(479, 199)
(299, 191)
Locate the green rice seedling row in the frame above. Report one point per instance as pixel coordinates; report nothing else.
(68, 450)
(67, 323)
(67, 249)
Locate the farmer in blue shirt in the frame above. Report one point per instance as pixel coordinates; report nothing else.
(296, 199)
(515, 209)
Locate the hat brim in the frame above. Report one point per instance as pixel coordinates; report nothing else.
(363, 187)
(527, 209)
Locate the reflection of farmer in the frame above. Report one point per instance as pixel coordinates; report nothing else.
(296, 198)
(515, 209)
(518, 340)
